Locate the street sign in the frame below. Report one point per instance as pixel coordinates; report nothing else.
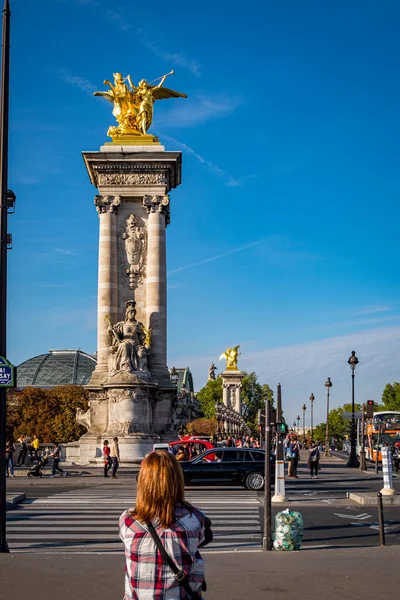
(347, 415)
(7, 374)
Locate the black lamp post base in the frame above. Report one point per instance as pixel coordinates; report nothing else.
(353, 463)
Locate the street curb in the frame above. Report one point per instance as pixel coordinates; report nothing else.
(371, 499)
(16, 499)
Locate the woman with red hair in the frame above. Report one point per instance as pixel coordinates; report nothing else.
(162, 535)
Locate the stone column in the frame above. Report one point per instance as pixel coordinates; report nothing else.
(156, 283)
(238, 407)
(107, 207)
(225, 392)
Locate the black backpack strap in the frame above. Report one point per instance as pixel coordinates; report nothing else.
(179, 575)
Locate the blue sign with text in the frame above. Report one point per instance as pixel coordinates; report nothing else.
(7, 373)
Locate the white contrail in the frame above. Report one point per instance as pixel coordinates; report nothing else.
(207, 260)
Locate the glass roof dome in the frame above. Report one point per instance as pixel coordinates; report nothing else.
(58, 367)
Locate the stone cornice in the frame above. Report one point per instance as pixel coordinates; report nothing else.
(134, 169)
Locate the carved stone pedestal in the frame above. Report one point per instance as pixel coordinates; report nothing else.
(231, 386)
(131, 395)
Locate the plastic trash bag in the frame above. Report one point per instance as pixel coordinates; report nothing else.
(288, 530)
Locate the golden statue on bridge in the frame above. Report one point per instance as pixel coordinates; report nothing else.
(133, 106)
(231, 356)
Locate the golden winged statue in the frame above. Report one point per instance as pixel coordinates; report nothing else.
(133, 105)
(231, 356)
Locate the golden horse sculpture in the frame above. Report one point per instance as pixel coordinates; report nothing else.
(231, 356)
(133, 106)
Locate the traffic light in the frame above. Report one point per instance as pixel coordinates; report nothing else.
(261, 417)
(370, 409)
(281, 428)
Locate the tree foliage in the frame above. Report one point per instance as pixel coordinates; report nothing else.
(391, 396)
(202, 427)
(253, 398)
(48, 413)
(339, 428)
(209, 395)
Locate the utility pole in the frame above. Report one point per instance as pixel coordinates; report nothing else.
(279, 495)
(4, 205)
(267, 539)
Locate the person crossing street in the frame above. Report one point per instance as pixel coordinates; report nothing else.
(115, 458)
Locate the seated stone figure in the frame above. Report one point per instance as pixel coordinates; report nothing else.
(129, 352)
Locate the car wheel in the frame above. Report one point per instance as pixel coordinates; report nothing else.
(255, 481)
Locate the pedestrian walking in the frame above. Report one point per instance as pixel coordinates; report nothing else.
(106, 458)
(35, 447)
(56, 459)
(293, 454)
(23, 449)
(313, 460)
(115, 458)
(10, 449)
(162, 535)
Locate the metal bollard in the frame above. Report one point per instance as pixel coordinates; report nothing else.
(381, 520)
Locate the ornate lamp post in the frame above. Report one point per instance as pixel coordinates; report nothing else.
(218, 416)
(328, 386)
(298, 424)
(304, 408)
(312, 398)
(174, 376)
(353, 460)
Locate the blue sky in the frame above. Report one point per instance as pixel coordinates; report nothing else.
(284, 232)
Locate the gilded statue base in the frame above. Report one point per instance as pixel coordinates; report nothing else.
(132, 139)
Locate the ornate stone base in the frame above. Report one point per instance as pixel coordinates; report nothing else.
(133, 448)
(138, 414)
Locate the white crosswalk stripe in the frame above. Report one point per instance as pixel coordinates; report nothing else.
(87, 520)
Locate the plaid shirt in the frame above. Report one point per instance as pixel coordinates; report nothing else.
(147, 577)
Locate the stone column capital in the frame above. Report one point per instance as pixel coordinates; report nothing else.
(158, 204)
(106, 204)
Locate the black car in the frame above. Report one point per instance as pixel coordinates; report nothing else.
(230, 466)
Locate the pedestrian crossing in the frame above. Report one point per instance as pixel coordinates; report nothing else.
(86, 521)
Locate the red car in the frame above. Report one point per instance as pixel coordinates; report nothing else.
(200, 445)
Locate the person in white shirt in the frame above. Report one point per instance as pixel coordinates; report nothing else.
(115, 459)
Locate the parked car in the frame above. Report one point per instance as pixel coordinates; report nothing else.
(229, 466)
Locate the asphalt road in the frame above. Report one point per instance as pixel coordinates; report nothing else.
(330, 519)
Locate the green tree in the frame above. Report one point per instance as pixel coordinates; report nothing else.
(339, 428)
(391, 396)
(209, 395)
(253, 398)
(48, 413)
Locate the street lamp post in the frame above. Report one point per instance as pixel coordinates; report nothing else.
(174, 376)
(353, 460)
(328, 386)
(312, 398)
(298, 424)
(304, 408)
(218, 416)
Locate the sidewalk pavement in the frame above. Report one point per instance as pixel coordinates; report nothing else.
(367, 573)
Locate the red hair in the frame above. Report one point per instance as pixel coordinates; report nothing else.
(161, 488)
